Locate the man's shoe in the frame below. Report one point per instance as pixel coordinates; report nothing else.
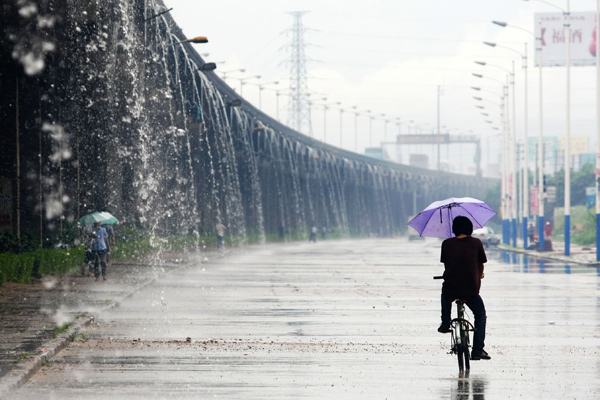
(480, 355)
(444, 329)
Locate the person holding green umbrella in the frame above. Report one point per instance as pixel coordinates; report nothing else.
(100, 249)
(103, 217)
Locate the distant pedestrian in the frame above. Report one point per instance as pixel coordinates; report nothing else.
(548, 230)
(110, 241)
(220, 230)
(89, 257)
(324, 231)
(111, 235)
(100, 249)
(531, 233)
(312, 237)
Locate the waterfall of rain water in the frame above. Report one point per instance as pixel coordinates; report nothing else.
(159, 142)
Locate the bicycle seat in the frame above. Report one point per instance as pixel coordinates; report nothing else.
(459, 302)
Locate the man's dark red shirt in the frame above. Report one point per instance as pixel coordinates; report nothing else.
(463, 260)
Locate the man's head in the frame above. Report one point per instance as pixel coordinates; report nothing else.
(96, 225)
(462, 226)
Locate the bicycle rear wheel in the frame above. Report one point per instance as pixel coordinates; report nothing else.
(464, 342)
(459, 354)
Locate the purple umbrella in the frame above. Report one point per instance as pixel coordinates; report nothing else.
(436, 219)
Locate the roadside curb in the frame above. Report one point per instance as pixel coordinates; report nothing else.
(546, 256)
(21, 373)
(25, 370)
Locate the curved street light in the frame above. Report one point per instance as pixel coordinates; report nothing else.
(540, 152)
(231, 71)
(356, 114)
(244, 81)
(515, 204)
(261, 87)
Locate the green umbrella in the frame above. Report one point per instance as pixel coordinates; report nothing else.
(103, 217)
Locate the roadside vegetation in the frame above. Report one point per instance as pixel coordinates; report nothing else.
(28, 265)
(583, 225)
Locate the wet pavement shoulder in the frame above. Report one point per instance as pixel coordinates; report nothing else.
(40, 319)
(579, 254)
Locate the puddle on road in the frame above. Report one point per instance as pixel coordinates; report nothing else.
(525, 263)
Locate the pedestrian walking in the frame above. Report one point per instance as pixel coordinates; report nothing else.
(220, 230)
(312, 236)
(100, 250)
(109, 241)
(87, 267)
(548, 229)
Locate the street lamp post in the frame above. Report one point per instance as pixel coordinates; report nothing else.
(567, 156)
(356, 113)
(525, 180)
(278, 93)
(244, 81)
(598, 133)
(325, 108)
(540, 146)
(505, 165)
(439, 95)
(525, 169)
(398, 154)
(339, 104)
(509, 224)
(567, 196)
(370, 128)
(513, 160)
(261, 87)
(225, 73)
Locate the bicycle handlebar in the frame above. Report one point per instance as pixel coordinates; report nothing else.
(438, 277)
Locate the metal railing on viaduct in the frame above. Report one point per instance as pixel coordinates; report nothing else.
(104, 109)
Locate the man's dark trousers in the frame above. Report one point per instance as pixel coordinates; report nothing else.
(475, 303)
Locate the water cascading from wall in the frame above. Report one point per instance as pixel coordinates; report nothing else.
(162, 144)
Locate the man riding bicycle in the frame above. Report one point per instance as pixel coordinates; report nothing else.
(463, 257)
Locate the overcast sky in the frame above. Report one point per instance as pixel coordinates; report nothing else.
(389, 56)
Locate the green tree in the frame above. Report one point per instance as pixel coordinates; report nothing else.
(579, 181)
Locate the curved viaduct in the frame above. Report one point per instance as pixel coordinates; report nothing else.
(121, 117)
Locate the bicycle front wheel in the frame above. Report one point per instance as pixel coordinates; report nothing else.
(467, 357)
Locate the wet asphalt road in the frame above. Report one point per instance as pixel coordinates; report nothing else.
(335, 320)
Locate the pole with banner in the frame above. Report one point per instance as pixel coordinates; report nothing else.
(525, 182)
(540, 149)
(567, 165)
(597, 37)
(513, 161)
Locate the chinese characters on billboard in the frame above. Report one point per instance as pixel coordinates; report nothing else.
(551, 32)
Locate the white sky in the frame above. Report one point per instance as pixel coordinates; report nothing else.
(389, 56)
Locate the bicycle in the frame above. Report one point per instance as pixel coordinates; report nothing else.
(460, 339)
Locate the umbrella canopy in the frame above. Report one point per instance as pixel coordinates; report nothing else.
(103, 217)
(436, 219)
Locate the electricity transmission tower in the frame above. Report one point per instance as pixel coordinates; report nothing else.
(299, 112)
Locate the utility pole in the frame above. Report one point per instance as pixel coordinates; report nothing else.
(299, 114)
